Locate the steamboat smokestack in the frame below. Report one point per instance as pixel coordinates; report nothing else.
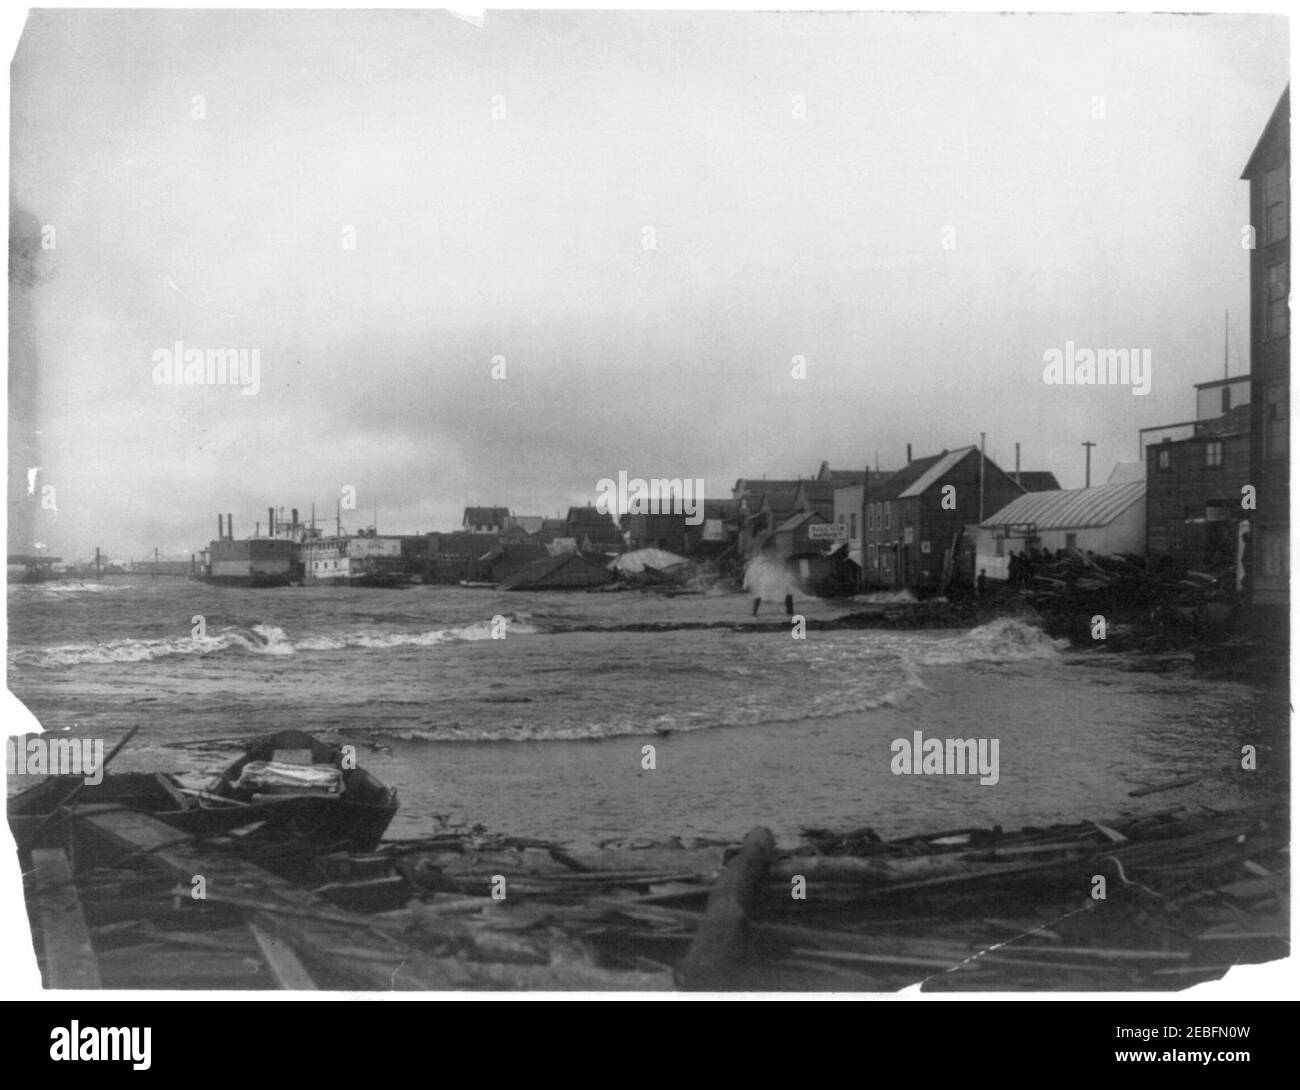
(1017, 463)
(909, 453)
(221, 527)
(270, 522)
(230, 526)
(295, 518)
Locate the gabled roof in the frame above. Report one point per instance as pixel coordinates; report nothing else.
(839, 476)
(778, 499)
(1038, 480)
(486, 516)
(1127, 471)
(720, 509)
(1072, 509)
(895, 486)
(568, 570)
(797, 520)
(818, 490)
(1277, 128)
(587, 516)
(939, 468)
(591, 527)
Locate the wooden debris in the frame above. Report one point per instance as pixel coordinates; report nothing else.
(287, 971)
(721, 943)
(1182, 781)
(1191, 891)
(67, 955)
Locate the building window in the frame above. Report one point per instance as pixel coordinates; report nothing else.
(853, 525)
(1226, 399)
(1162, 460)
(1275, 423)
(1277, 323)
(1213, 454)
(889, 516)
(1275, 201)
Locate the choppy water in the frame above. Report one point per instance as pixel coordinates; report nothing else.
(541, 731)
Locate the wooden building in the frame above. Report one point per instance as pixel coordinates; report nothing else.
(1105, 520)
(718, 532)
(1269, 175)
(916, 520)
(1194, 483)
(485, 520)
(593, 530)
(657, 531)
(455, 556)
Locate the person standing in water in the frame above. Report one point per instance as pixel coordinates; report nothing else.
(789, 605)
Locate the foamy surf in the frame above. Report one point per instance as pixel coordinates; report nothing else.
(1003, 640)
(258, 639)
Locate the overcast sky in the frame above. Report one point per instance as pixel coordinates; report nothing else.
(523, 236)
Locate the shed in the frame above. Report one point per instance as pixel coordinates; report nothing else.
(1104, 520)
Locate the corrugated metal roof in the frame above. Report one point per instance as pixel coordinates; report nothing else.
(928, 478)
(1075, 508)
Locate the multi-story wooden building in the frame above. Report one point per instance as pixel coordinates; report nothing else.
(1194, 484)
(1269, 175)
(919, 516)
(485, 520)
(593, 530)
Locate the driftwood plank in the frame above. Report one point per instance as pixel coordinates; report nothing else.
(287, 971)
(68, 957)
(315, 929)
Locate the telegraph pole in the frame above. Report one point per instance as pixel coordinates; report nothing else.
(1087, 464)
(981, 478)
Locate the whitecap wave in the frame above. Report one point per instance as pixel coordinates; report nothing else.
(1003, 640)
(258, 639)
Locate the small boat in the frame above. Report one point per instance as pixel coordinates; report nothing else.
(288, 789)
(478, 583)
(307, 793)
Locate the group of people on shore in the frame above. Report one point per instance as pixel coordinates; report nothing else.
(1020, 566)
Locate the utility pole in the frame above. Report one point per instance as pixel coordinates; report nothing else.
(862, 530)
(981, 478)
(1225, 342)
(1087, 464)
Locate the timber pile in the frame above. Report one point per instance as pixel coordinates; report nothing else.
(1188, 893)
(1122, 586)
